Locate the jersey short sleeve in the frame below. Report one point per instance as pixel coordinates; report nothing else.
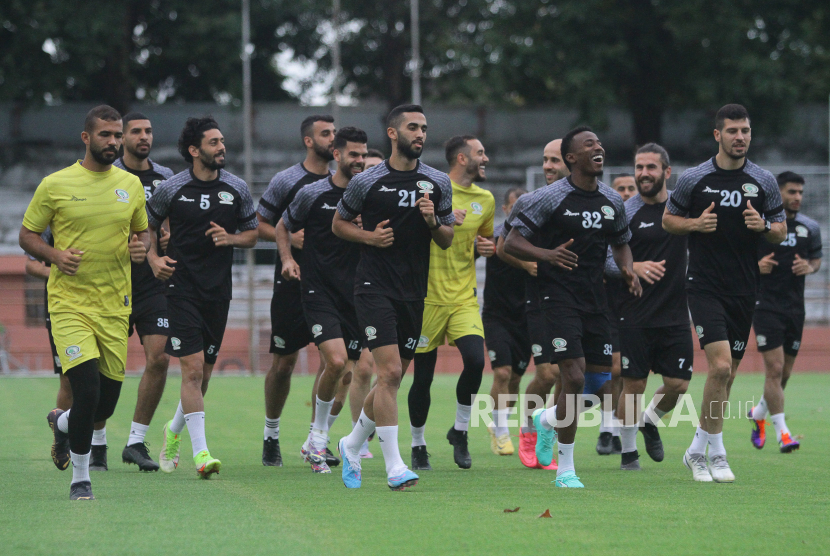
(158, 209)
(620, 234)
(773, 209)
(139, 221)
(165, 172)
(40, 211)
(443, 211)
(351, 205)
(245, 213)
(278, 190)
(537, 209)
(681, 199)
(295, 216)
(487, 229)
(814, 247)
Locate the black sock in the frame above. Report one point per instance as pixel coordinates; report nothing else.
(85, 382)
(109, 390)
(472, 354)
(419, 397)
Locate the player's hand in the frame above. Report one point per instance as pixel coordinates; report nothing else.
(753, 220)
(290, 270)
(138, 252)
(164, 239)
(708, 220)
(459, 214)
(162, 267)
(427, 210)
(650, 271)
(297, 239)
(219, 235)
(485, 247)
(531, 268)
(634, 285)
(767, 264)
(68, 261)
(801, 267)
(358, 221)
(382, 236)
(563, 258)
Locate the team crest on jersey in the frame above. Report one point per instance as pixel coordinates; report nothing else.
(625, 362)
(123, 196)
(425, 186)
(279, 342)
(156, 183)
(761, 339)
(801, 231)
(371, 332)
(492, 355)
(316, 330)
(750, 189)
(699, 330)
(477, 208)
(176, 343)
(559, 344)
(608, 212)
(73, 352)
(536, 350)
(225, 198)
(423, 341)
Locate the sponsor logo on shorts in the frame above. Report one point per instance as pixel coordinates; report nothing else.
(801, 231)
(750, 189)
(279, 342)
(123, 196)
(699, 330)
(762, 340)
(559, 344)
(608, 212)
(625, 362)
(492, 355)
(225, 198)
(536, 350)
(423, 341)
(477, 208)
(371, 333)
(425, 186)
(796, 345)
(73, 352)
(523, 364)
(317, 329)
(176, 343)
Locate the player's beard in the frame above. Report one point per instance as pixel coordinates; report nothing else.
(405, 148)
(210, 161)
(323, 152)
(349, 170)
(656, 188)
(731, 154)
(103, 156)
(136, 153)
(474, 168)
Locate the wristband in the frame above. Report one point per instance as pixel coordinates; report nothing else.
(767, 227)
(437, 225)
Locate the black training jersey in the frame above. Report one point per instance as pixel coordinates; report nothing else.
(560, 212)
(145, 283)
(401, 270)
(203, 271)
(663, 303)
(504, 288)
(531, 283)
(781, 290)
(281, 190)
(329, 262)
(725, 261)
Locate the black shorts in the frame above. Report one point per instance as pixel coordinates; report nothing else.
(329, 317)
(508, 343)
(289, 331)
(149, 316)
(773, 330)
(574, 334)
(666, 351)
(722, 318)
(56, 361)
(537, 326)
(386, 321)
(196, 325)
(615, 334)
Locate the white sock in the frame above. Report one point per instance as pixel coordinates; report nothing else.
(716, 445)
(548, 418)
(699, 442)
(418, 435)
(780, 425)
(500, 421)
(361, 431)
(652, 408)
(760, 411)
(196, 428)
(629, 438)
(137, 433)
(332, 419)
(365, 448)
(388, 439)
(99, 438)
(566, 458)
(272, 428)
(321, 414)
(80, 467)
(462, 416)
(63, 421)
(178, 423)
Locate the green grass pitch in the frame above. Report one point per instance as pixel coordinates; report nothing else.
(778, 505)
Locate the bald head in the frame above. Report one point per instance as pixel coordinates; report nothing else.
(553, 165)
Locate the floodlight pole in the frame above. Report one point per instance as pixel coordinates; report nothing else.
(247, 148)
(416, 51)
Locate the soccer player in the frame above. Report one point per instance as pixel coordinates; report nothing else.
(505, 332)
(97, 217)
(373, 158)
(654, 328)
(451, 309)
(206, 206)
(625, 185)
(405, 205)
(725, 205)
(289, 332)
(574, 218)
(779, 312)
(149, 316)
(329, 265)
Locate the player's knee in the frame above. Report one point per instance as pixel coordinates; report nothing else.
(158, 363)
(337, 364)
(720, 370)
(635, 386)
(502, 375)
(362, 372)
(283, 366)
(573, 381)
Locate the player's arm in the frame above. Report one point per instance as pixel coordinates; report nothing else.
(37, 269)
(625, 262)
(802, 267)
(161, 265)
(67, 261)
(527, 266)
(441, 229)
(520, 247)
(680, 225)
(381, 236)
(138, 246)
(244, 239)
(773, 232)
(290, 268)
(266, 230)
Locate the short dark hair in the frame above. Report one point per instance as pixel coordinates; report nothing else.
(517, 191)
(193, 133)
(374, 153)
(133, 116)
(347, 134)
(308, 123)
(567, 140)
(789, 177)
(455, 145)
(394, 118)
(730, 112)
(656, 149)
(100, 112)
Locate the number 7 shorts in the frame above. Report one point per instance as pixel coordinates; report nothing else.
(722, 318)
(196, 325)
